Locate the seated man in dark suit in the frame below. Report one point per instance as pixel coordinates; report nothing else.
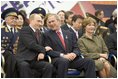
(31, 52)
(65, 53)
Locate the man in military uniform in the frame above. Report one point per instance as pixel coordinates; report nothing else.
(9, 35)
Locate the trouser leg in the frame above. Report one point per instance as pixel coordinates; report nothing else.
(85, 64)
(61, 65)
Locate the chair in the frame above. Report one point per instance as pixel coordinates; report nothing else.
(35, 73)
(113, 60)
(3, 75)
(74, 73)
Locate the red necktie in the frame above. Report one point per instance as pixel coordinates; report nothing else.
(61, 39)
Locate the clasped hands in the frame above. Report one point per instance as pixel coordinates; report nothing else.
(103, 57)
(70, 56)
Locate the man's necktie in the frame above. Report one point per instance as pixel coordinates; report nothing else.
(61, 39)
(11, 29)
(37, 34)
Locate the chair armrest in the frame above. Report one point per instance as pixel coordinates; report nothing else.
(2, 66)
(114, 58)
(49, 59)
(2, 73)
(82, 56)
(3, 61)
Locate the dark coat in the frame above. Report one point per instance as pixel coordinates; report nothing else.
(112, 43)
(65, 27)
(54, 42)
(28, 46)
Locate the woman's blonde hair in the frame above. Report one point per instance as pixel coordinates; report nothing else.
(87, 21)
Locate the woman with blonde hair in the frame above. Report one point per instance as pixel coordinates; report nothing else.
(93, 46)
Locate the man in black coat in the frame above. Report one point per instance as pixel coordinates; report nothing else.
(112, 40)
(65, 53)
(31, 52)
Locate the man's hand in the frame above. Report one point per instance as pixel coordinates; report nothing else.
(70, 56)
(48, 48)
(73, 55)
(40, 56)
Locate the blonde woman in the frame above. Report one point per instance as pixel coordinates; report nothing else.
(93, 46)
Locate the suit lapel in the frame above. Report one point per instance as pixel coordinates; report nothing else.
(67, 28)
(71, 30)
(33, 34)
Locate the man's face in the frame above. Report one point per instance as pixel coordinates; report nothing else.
(69, 20)
(37, 22)
(53, 23)
(11, 20)
(101, 15)
(77, 24)
(61, 16)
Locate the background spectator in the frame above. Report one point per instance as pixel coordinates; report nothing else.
(61, 15)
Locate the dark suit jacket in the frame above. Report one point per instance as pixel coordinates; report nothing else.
(74, 34)
(28, 45)
(80, 33)
(52, 40)
(7, 43)
(65, 27)
(112, 42)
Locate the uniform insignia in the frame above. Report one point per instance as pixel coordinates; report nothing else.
(3, 37)
(6, 29)
(2, 26)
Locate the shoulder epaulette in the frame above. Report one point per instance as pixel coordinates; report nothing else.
(2, 26)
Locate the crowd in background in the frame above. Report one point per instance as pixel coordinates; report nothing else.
(84, 43)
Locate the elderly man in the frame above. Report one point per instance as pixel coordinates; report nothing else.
(65, 53)
(9, 35)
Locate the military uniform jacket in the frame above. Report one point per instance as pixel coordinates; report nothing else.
(7, 43)
(8, 39)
